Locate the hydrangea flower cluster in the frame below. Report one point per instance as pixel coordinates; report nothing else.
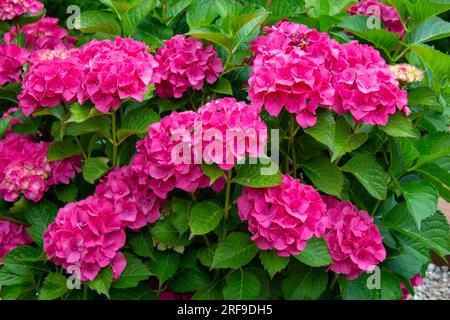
(12, 236)
(366, 87)
(388, 15)
(236, 130)
(87, 234)
(283, 217)
(291, 69)
(115, 70)
(406, 73)
(43, 34)
(164, 159)
(9, 9)
(300, 69)
(416, 281)
(134, 204)
(48, 83)
(185, 62)
(12, 58)
(354, 241)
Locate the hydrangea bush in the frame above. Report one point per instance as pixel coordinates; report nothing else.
(220, 149)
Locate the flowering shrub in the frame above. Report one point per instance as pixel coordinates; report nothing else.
(222, 149)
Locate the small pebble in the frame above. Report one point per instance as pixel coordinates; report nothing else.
(435, 285)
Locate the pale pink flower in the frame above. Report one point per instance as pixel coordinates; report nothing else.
(406, 73)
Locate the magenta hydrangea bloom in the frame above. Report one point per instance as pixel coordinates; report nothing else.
(292, 69)
(44, 34)
(388, 15)
(12, 236)
(354, 241)
(366, 87)
(115, 70)
(87, 234)
(48, 83)
(283, 217)
(9, 9)
(133, 203)
(164, 159)
(416, 281)
(12, 58)
(231, 131)
(185, 62)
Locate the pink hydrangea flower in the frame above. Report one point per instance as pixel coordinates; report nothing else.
(406, 73)
(115, 70)
(50, 54)
(354, 241)
(164, 159)
(12, 58)
(170, 295)
(134, 204)
(283, 217)
(388, 15)
(416, 281)
(62, 171)
(366, 87)
(9, 9)
(12, 236)
(230, 131)
(87, 234)
(185, 62)
(44, 34)
(292, 69)
(49, 83)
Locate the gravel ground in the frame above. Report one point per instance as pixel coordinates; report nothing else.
(436, 284)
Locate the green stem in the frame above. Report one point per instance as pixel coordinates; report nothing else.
(85, 291)
(114, 138)
(227, 195)
(292, 140)
(81, 148)
(375, 209)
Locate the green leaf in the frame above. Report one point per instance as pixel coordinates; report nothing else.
(54, 287)
(39, 217)
(381, 38)
(164, 232)
(371, 175)
(213, 171)
(206, 254)
(324, 129)
(91, 125)
(438, 62)
(4, 126)
(433, 146)
(433, 234)
(326, 176)
(134, 272)
(358, 289)
(212, 291)
(223, 86)
(137, 122)
(94, 169)
(235, 251)
(164, 264)
(421, 199)
(98, 22)
(246, 23)
(79, 113)
(272, 262)
(8, 278)
(66, 192)
(213, 34)
(304, 283)
(204, 217)
(437, 172)
(432, 29)
(134, 16)
(189, 280)
(142, 243)
(178, 218)
(202, 13)
(24, 260)
(422, 10)
(399, 126)
(241, 285)
(59, 150)
(315, 253)
(255, 174)
(344, 140)
(141, 292)
(102, 283)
